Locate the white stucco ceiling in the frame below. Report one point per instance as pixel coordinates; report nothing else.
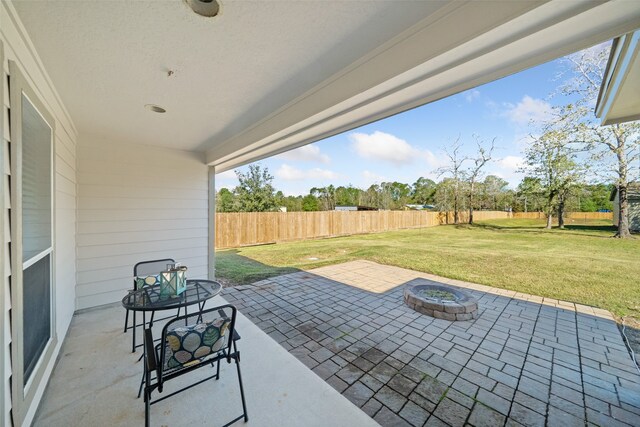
(110, 58)
(266, 76)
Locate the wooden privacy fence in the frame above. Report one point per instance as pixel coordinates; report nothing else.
(576, 216)
(253, 228)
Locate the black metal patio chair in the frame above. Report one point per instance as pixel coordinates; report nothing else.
(190, 342)
(146, 273)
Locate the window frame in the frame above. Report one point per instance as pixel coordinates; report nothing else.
(23, 394)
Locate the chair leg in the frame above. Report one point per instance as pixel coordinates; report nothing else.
(147, 408)
(133, 327)
(218, 370)
(201, 307)
(244, 403)
(126, 321)
(142, 382)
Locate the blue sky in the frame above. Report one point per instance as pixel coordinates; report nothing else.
(410, 145)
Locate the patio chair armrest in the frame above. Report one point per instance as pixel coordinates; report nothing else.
(150, 351)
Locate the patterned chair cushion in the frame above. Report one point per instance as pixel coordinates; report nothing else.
(151, 280)
(191, 344)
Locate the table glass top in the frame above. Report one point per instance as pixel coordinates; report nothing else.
(149, 297)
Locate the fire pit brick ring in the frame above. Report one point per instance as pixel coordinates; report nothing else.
(440, 301)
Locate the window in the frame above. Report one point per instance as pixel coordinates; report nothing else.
(32, 255)
(36, 235)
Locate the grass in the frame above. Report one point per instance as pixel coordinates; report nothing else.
(241, 270)
(581, 263)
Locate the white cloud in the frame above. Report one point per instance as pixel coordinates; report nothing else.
(307, 153)
(472, 95)
(527, 110)
(433, 161)
(511, 163)
(290, 173)
(383, 146)
(508, 168)
(389, 148)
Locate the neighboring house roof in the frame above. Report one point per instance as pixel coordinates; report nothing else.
(633, 191)
(355, 208)
(419, 207)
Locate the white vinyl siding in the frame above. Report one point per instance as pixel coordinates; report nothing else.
(18, 48)
(6, 240)
(136, 203)
(634, 213)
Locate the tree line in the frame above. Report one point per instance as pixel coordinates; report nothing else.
(256, 193)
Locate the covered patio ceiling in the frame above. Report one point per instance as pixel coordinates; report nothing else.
(264, 77)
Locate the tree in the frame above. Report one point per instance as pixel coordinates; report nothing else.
(395, 195)
(225, 201)
(456, 172)
(290, 203)
(530, 192)
(619, 143)
(493, 189)
(347, 196)
(445, 196)
(255, 193)
(595, 197)
(423, 191)
(483, 156)
(326, 196)
(372, 197)
(549, 159)
(310, 203)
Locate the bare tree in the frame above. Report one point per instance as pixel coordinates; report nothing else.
(455, 170)
(474, 173)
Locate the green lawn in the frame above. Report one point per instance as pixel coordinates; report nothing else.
(581, 264)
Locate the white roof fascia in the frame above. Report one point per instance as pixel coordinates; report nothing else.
(623, 54)
(542, 34)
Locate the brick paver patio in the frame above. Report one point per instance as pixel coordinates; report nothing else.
(526, 360)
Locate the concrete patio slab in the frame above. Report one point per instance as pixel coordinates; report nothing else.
(526, 360)
(96, 380)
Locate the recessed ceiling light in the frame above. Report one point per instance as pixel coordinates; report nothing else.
(208, 8)
(155, 108)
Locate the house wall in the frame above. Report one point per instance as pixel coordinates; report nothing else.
(18, 48)
(634, 214)
(136, 203)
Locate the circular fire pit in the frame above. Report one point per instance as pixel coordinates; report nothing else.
(440, 301)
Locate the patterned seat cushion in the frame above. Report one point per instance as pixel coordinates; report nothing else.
(143, 281)
(191, 344)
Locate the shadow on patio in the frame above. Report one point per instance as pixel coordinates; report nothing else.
(96, 380)
(525, 360)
